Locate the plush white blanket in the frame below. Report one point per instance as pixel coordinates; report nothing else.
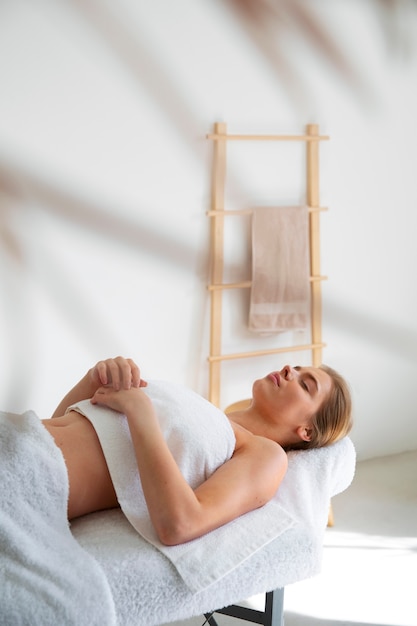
(46, 578)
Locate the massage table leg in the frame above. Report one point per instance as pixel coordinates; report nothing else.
(272, 616)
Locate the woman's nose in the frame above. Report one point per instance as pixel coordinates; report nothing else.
(287, 372)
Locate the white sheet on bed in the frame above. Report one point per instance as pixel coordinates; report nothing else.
(148, 590)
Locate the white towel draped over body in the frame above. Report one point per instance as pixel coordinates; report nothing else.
(46, 578)
(201, 439)
(280, 293)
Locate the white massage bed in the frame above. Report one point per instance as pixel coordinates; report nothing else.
(100, 571)
(146, 588)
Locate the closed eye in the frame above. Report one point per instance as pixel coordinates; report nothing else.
(309, 376)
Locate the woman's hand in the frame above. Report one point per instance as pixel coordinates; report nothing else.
(131, 401)
(118, 373)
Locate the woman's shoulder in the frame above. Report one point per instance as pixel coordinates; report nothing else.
(256, 444)
(264, 460)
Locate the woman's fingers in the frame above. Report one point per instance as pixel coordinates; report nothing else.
(134, 374)
(101, 371)
(120, 373)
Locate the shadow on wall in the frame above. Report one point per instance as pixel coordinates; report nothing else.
(18, 185)
(266, 25)
(262, 23)
(20, 350)
(378, 331)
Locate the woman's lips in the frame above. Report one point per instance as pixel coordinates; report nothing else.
(275, 377)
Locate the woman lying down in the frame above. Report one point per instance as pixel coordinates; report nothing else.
(295, 408)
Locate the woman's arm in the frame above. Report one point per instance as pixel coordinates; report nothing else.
(178, 513)
(119, 372)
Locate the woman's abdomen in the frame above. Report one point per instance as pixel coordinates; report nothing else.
(90, 485)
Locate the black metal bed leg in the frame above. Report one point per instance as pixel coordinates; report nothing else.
(210, 619)
(274, 608)
(273, 615)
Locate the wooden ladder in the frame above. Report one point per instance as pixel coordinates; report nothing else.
(217, 215)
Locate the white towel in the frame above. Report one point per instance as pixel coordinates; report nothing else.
(45, 576)
(313, 478)
(280, 292)
(201, 439)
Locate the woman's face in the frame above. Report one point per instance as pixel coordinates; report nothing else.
(290, 397)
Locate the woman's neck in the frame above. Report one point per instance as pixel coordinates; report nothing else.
(252, 421)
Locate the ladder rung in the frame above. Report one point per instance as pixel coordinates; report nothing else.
(244, 355)
(216, 137)
(248, 283)
(237, 212)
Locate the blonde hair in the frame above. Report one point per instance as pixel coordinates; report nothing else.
(333, 420)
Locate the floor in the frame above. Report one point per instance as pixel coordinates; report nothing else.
(369, 573)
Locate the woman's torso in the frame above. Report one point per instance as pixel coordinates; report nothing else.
(90, 485)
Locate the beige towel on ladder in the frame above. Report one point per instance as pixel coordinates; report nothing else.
(280, 294)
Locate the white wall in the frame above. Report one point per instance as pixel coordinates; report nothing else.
(105, 179)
